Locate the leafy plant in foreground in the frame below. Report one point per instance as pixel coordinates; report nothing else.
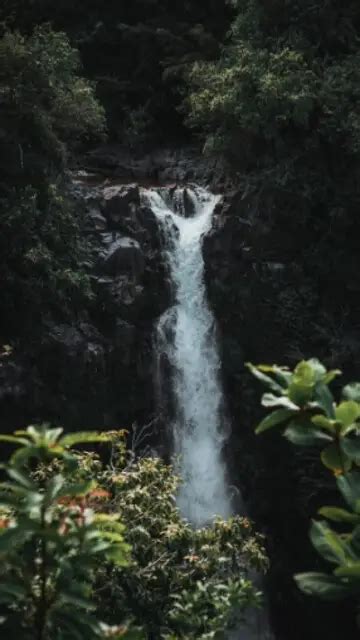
(302, 404)
(182, 582)
(51, 541)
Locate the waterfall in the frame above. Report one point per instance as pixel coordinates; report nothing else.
(187, 338)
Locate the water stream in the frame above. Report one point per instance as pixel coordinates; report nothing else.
(187, 335)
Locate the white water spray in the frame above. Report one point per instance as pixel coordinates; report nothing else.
(187, 334)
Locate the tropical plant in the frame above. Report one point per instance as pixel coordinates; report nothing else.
(44, 259)
(84, 545)
(279, 100)
(302, 405)
(52, 541)
(182, 582)
(45, 103)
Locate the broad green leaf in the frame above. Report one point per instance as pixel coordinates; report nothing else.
(305, 436)
(302, 383)
(333, 459)
(347, 412)
(53, 488)
(328, 543)
(331, 375)
(267, 380)
(273, 419)
(335, 514)
(305, 373)
(351, 448)
(352, 392)
(324, 423)
(325, 399)
(270, 400)
(282, 374)
(349, 485)
(322, 585)
(317, 367)
(20, 477)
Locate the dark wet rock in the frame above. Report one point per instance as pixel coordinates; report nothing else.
(120, 202)
(283, 283)
(121, 255)
(95, 220)
(160, 166)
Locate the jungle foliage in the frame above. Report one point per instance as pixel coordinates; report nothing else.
(100, 550)
(282, 100)
(46, 110)
(303, 407)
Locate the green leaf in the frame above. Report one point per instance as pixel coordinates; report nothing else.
(325, 399)
(351, 448)
(324, 423)
(53, 488)
(282, 374)
(12, 538)
(84, 437)
(270, 400)
(267, 380)
(347, 412)
(331, 375)
(305, 436)
(273, 419)
(317, 367)
(328, 543)
(302, 383)
(349, 485)
(335, 514)
(332, 459)
(322, 585)
(23, 479)
(14, 440)
(350, 570)
(352, 392)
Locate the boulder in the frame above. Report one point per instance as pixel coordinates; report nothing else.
(120, 202)
(121, 255)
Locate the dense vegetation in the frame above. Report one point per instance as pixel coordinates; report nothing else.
(93, 550)
(47, 108)
(301, 402)
(282, 99)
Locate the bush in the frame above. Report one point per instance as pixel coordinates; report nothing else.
(302, 404)
(44, 259)
(46, 105)
(85, 545)
(283, 93)
(51, 542)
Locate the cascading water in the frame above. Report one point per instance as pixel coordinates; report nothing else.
(187, 335)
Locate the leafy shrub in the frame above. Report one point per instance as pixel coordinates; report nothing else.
(45, 104)
(44, 259)
(51, 541)
(82, 542)
(283, 93)
(182, 582)
(302, 404)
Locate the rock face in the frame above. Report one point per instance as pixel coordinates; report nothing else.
(283, 281)
(98, 372)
